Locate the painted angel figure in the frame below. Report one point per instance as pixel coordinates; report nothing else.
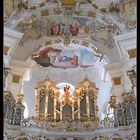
(74, 29)
(54, 28)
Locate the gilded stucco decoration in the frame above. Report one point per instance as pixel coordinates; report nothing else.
(128, 12)
(68, 3)
(8, 7)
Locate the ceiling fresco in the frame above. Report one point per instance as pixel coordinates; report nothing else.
(66, 23)
(59, 26)
(125, 9)
(63, 58)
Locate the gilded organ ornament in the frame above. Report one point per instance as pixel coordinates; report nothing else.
(112, 102)
(67, 93)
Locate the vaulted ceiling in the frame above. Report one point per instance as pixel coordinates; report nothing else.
(52, 22)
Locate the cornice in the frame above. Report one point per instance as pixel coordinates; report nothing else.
(126, 36)
(104, 131)
(113, 66)
(23, 64)
(12, 33)
(124, 43)
(11, 37)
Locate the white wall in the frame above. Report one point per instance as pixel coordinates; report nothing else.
(29, 97)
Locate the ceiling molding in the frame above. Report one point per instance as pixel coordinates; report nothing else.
(8, 42)
(23, 64)
(124, 43)
(12, 33)
(16, 78)
(11, 39)
(126, 36)
(115, 70)
(113, 66)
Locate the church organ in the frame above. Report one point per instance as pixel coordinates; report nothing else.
(81, 105)
(13, 110)
(125, 112)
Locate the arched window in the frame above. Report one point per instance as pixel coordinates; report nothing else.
(110, 112)
(61, 88)
(25, 110)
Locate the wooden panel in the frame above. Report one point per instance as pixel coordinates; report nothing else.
(16, 79)
(117, 80)
(5, 50)
(132, 53)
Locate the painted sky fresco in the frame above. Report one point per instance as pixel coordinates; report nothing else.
(65, 58)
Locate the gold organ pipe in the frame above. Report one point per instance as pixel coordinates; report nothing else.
(78, 107)
(46, 104)
(60, 111)
(37, 105)
(72, 110)
(54, 108)
(95, 106)
(87, 104)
